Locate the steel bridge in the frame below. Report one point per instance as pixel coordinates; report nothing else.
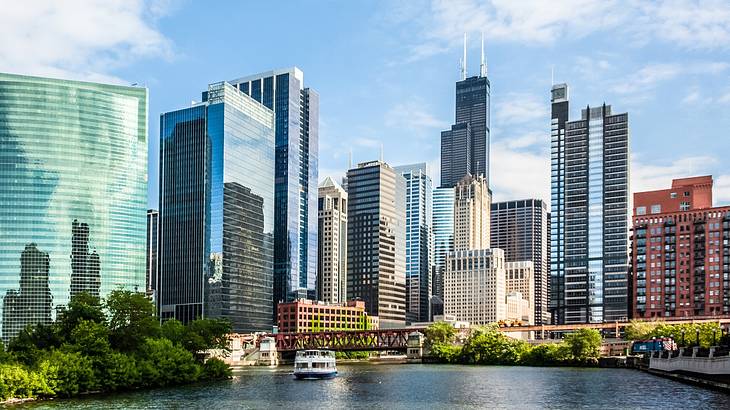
(386, 339)
(397, 339)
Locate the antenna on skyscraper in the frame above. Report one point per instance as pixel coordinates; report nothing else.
(381, 153)
(483, 64)
(552, 75)
(463, 61)
(349, 160)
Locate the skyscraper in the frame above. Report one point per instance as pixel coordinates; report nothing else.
(443, 238)
(296, 110)
(590, 188)
(475, 288)
(520, 228)
(217, 210)
(465, 147)
(376, 241)
(74, 193)
(332, 269)
(153, 219)
(472, 206)
(419, 241)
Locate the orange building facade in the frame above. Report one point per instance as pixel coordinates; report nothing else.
(680, 252)
(305, 315)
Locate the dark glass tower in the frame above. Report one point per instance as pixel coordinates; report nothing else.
(590, 242)
(152, 250)
(217, 211)
(296, 110)
(521, 229)
(465, 147)
(376, 241)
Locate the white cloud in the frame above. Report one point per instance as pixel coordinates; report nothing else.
(647, 177)
(648, 77)
(79, 39)
(692, 97)
(689, 24)
(516, 108)
(412, 115)
(520, 166)
(721, 194)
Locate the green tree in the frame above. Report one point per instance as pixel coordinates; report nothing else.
(161, 363)
(82, 306)
(204, 334)
(89, 338)
(116, 371)
(439, 333)
(68, 373)
(174, 331)
(131, 319)
(584, 344)
(216, 369)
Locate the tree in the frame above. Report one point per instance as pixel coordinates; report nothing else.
(90, 338)
(439, 333)
(584, 344)
(174, 331)
(68, 373)
(83, 306)
(131, 319)
(204, 334)
(216, 369)
(161, 363)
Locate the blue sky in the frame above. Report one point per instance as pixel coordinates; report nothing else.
(385, 71)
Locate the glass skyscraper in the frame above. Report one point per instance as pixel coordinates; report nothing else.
(217, 210)
(590, 194)
(465, 147)
(73, 183)
(296, 110)
(443, 236)
(419, 241)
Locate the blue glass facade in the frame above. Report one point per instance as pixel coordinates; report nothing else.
(217, 211)
(419, 241)
(73, 194)
(590, 190)
(296, 111)
(443, 234)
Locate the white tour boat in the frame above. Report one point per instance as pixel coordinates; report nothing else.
(315, 364)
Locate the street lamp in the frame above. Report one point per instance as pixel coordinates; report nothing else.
(698, 337)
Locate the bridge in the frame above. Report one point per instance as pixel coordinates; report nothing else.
(386, 339)
(397, 339)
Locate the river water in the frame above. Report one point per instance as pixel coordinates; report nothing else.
(365, 386)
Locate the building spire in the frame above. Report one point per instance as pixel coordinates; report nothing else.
(349, 160)
(381, 153)
(463, 61)
(483, 64)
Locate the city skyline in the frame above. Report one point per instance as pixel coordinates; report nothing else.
(410, 93)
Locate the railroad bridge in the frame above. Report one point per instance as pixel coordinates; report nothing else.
(397, 339)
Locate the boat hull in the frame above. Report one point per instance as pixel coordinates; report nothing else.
(314, 376)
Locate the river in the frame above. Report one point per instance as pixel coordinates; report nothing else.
(364, 386)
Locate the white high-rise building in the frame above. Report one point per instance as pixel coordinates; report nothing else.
(332, 253)
(475, 286)
(472, 206)
(520, 278)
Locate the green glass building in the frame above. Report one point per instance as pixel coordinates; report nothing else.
(73, 194)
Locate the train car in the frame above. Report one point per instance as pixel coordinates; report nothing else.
(653, 345)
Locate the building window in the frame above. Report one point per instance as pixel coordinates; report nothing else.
(656, 209)
(673, 195)
(640, 210)
(684, 206)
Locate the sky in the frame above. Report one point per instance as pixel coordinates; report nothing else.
(386, 71)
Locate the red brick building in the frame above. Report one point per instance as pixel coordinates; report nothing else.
(680, 252)
(305, 315)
